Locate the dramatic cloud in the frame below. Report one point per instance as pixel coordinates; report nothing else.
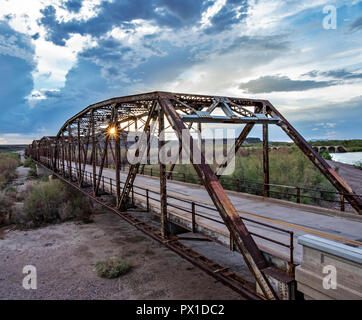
(58, 56)
(356, 25)
(73, 5)
(230, 14)
(16, 65)
(336, 74)
(282, 83)
(170, 13)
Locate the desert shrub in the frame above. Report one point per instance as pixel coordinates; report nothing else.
(9, 161)
(28, 162)
(112, 268)
(52, 201)
(33, 172)
(6, 205)
(43, 203)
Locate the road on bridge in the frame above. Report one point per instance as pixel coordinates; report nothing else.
(299, 218)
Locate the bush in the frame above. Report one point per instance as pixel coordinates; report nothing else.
(33, 172)
(52, 201)
(28, 162)
(6, 205)
(112, 268)
(325, 155)
(9, 161)
(43, 203)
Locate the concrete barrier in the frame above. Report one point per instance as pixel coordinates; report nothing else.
(329, 270)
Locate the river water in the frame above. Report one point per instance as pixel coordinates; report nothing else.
(347, 157)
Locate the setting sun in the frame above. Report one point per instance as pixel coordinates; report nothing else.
(112, 130)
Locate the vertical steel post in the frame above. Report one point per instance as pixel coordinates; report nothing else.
(63, 154)
(163, 180)
(79, 157)
(266, 160)
(342, 201)
(147, 201)
(193, 217)
(70, 151)
(117, 154)
(93, 151)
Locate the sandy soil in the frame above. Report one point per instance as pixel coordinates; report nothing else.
(65, 255)
(349, 173)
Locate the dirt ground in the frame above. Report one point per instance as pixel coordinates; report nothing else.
(349, 173)
(65, 256)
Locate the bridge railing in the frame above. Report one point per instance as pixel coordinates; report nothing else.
(193, 210)
(319, 197)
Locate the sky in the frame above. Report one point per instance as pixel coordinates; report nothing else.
(59, 56)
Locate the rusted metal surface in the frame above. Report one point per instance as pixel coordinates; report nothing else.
(163, 191)
(252, 255)
(266, 160)
(92, 123)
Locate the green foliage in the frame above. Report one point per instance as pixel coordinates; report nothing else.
(32, 173)
(6, 208)
(112, 268)
(9, 161)
(52, 201)
(43, 203)
(288, 167)
(350, 145)
(28, 162)
(325, 155)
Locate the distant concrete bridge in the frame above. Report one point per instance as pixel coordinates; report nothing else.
(333, 149)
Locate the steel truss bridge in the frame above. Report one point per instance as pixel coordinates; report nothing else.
(96, 136)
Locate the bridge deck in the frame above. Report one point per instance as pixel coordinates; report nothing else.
(300, 219)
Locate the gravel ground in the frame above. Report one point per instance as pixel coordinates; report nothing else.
(65, 256)
(349, 173)
(352, 176)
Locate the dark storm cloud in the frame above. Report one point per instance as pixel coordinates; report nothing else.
(356, 25)
(268, 43)
(280, 83)
(73, 5)
(17, 83)
(233, 12)
(170, 13)
(342, 74)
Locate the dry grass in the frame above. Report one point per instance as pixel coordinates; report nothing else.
(112, 268)
(9, 161)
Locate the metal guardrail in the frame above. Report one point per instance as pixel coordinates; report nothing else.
(256, 187)
(192, 210)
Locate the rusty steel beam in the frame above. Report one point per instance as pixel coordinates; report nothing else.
(117, 156)
(248, 248)
(69, 151)
(317, 160)
(266, 160)
(163, 182)
(79, 156)
(173, 165)
(238, 143)
(93, 151)
(133, 170)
